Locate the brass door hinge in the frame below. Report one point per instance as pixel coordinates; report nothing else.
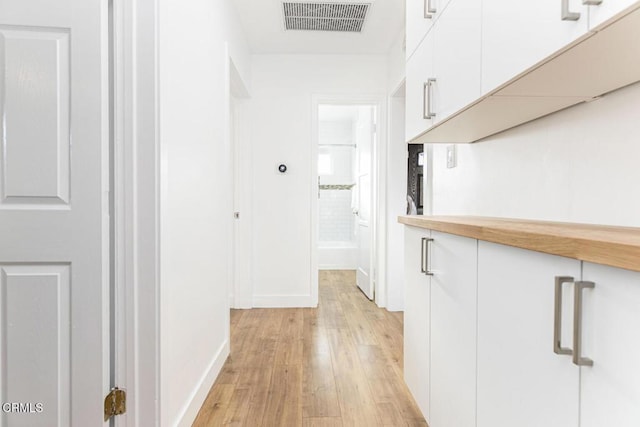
(115, 403)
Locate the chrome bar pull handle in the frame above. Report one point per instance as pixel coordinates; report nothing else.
(567, 15)
(429, 10)
(592, 2)
(427, 271)
(557, 316)
(423, 258)
(577, 324)
(426, 99)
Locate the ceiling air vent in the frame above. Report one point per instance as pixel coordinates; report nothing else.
(325, 16)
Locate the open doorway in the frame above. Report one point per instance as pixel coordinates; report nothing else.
(347, 137)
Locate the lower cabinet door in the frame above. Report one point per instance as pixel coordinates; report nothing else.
(521, 380)
(453, 330)
(417, 318)
(610, 389)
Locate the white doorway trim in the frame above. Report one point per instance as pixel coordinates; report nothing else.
(379, 185)
(236, 93)
(396, 191)
(137, 164)
(137, 208)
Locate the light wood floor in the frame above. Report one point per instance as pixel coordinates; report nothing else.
(337, 365)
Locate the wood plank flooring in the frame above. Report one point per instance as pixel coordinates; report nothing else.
(339, 365)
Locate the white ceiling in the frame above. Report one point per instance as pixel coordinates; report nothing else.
(263, 25)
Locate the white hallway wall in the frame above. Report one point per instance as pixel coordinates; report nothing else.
(578, 165)
(281, 132)
(195, 206)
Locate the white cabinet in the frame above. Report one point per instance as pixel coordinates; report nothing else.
(518, 372)
(417, 317)
(440, 366)
(440, 83)
(453, 330)
(610, 389)
(457, 59)
(521, 381)
(517, 34)
(417, 24)
(607, 9)
(420, 17)
(495, 64)
(494, 338)
(419, 70)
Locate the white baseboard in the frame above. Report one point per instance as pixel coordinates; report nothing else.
(241, 303)
(190, 412)
(394, 308)
(283, 301)
(336, 267)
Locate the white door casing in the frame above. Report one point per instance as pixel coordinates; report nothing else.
(54, 212)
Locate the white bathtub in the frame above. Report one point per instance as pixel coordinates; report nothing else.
(337, 255)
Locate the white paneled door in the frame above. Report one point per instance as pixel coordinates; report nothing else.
(365, 136)
(54, 212)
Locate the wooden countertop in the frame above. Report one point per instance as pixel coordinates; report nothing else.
(601, 244)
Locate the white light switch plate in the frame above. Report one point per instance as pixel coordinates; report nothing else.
(452, 159)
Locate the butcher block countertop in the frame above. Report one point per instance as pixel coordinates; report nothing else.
(608, 245)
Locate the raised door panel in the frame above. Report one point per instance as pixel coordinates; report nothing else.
(416, 319)
(521, 381)
(453, 330)
(419, 71)
(35, 332)
(610, 389)
(457, 58)
(608, 9)
(34, 106)
(516, 34)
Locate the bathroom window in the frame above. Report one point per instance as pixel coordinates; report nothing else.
(325, 166)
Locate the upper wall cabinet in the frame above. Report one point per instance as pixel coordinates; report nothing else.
(418, 23)
(501, 63)
(601, 10)
(443, 75)
(457, 58)
(519, 33)
(607, 58)
(420, 16)
(420, 73)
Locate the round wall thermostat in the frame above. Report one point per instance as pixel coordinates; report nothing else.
(282, 168)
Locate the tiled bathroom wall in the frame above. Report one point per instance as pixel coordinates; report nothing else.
(336, 220)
